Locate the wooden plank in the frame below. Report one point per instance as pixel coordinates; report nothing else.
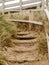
(29, 21)
(23, 7)
(30, 1)
(47, 13)
(23, 3)
(47, 43)
(18, 8)
(6, 1)
(11, 5)
(31, 5)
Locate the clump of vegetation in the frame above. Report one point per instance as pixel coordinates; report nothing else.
(7, 29)
(20, 16)
(42, 43)
(39, 16)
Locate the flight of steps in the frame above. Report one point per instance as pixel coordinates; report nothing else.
(25, 51)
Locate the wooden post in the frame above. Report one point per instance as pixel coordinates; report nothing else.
(47, 5)
(9, 14)
(3, 6)
(47, 43)
(43, 4)
(20, 5)
(46, 2)
(30, 18)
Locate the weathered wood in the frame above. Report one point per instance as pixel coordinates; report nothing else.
(29, 21)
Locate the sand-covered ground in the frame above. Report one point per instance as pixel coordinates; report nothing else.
(20, 45)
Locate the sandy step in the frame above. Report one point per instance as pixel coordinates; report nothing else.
(21, 57)
(42, 62)
(24, 41)
(24, 35)
(23, 48)
(26, 57)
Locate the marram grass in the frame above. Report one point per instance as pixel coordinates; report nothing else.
(7, 29)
